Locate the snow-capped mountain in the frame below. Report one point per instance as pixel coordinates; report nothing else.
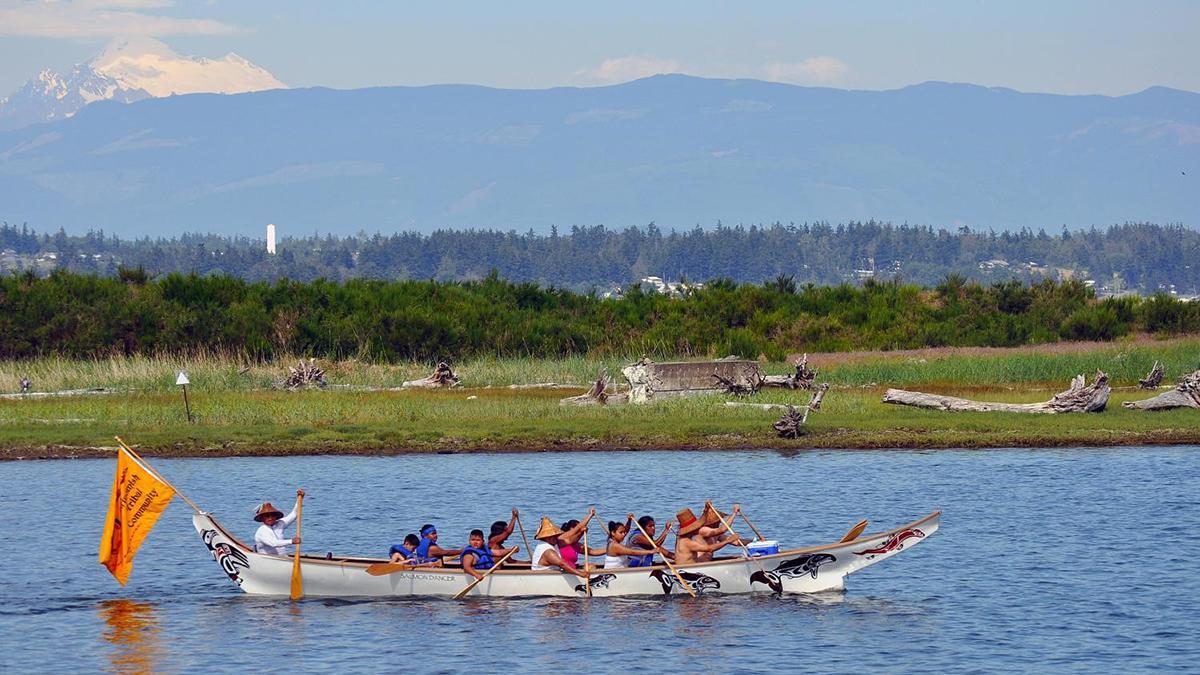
(128, 70)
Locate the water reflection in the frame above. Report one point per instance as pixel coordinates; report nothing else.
(133, 633)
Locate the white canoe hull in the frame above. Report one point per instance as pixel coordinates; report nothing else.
(806, 570)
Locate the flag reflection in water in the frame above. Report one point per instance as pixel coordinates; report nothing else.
(132, 630)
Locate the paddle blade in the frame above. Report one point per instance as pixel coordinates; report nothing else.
(855, 531)
(380, 569)
(297, 582)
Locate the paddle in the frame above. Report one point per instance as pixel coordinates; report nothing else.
(525, 539)
(663, 553)
(484, 576)
(752, 527)
(587, 564)
(381, 569)
(297, 582)
(855, 531)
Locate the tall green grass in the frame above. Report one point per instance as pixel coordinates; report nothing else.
(214, 372)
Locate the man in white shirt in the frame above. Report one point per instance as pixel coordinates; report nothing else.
(269, 538)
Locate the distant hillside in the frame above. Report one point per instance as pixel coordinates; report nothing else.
(1140, 257)
(673, 149)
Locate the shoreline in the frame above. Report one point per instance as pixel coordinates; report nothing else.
(857, 442)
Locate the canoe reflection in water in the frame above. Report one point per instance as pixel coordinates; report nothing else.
(133, 633)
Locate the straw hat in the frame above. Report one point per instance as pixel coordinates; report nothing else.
(711, 517)
(267, 509)
(547, 530)
(688, 523)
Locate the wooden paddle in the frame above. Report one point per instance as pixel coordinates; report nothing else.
(381, 569)
(855, 531)
(752, 527)
(297, 582)
(587, 565)
(663, 553)
(485, 575)
(524, 538)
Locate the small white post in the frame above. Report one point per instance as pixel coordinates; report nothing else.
(181, 380)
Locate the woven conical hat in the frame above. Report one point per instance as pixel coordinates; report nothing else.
(710, 516)
(688, 523)
(265, 509)
(547, 529)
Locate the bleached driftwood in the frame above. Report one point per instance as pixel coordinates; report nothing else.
(305, 374)
(1081, 397)
(597, 394)
(759, 406)
(789, 426)
(742, 386)
(544, 385)
(803, 378)
(1186, 394)
(442, 376)
(94, 391)
(1154, 378)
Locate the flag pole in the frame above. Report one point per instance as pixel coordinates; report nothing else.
(158, 475)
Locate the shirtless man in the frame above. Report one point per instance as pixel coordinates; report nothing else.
(689, 545)
(712, 528)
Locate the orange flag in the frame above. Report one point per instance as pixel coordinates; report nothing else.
(138, 498)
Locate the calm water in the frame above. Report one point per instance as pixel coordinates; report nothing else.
(1047, 560)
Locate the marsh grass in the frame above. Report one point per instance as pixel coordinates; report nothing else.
(214, 372)
(237, 413)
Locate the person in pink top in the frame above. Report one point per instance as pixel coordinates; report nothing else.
(569, 544)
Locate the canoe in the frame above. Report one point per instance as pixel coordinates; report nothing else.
(801, 570)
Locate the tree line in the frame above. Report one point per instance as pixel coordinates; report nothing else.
(1142, 256)
(87, 315)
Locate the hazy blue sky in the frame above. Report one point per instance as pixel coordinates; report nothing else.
(1094, 46)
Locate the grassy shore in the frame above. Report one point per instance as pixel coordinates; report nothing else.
(237, 415)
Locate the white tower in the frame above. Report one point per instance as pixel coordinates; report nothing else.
(271, 238)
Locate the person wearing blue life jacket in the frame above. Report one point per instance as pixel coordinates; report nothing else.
(637, 540)
(477, 557)
(427, 550)
(404, 552)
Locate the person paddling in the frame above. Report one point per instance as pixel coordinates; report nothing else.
(638, 540)
(689, 543)
(712, 527)
(617, 554)
(546, 554)
(269, 537)
(477, 558)
(569, 544)
(499, 533)
(427, 550)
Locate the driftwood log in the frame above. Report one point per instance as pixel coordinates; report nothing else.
(597, 394)
(1081, 397)
(744, 386)
(442, 376)
(803, 378)
(792, 422)
(305, 374)
(1186, 394)
(26, 385)
(1154, 378)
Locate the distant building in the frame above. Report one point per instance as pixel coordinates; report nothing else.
(270, 238)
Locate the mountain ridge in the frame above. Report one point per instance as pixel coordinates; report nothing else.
(675, 149)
